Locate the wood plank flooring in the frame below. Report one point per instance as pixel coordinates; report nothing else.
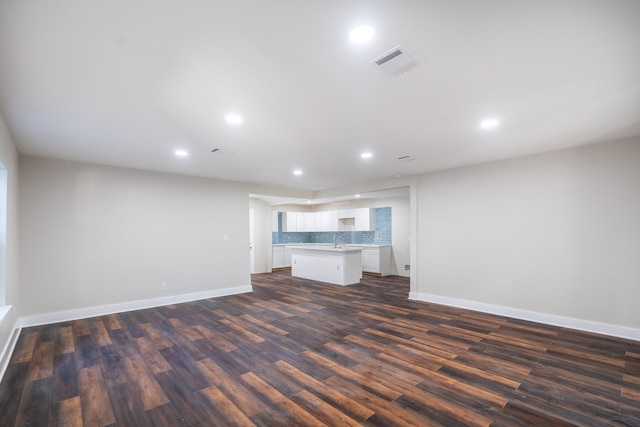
(302, 353)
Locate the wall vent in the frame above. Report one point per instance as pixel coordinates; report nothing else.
(395, 62)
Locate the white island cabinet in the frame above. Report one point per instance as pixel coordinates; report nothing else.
(340, 266)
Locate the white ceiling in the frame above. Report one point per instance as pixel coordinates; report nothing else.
(380, 194)
(126, 83)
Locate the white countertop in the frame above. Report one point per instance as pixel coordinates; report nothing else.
(348, 245)
(324, 248)
(366, 245)
(301, 244)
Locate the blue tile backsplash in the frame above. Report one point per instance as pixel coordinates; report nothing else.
(381, 235)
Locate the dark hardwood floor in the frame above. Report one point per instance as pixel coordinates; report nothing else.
(296, 352)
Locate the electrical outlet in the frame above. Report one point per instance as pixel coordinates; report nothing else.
(406, 267)
(163, 286)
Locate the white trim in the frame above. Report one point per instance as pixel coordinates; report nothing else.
(82, 313)
(7, 351)
(533, 316)
(4, 310)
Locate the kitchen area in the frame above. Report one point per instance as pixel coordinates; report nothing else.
(376, 225)
(334, 246)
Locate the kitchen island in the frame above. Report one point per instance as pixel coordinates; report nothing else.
(337, 265)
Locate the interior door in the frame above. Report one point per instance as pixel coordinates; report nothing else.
(252, 251)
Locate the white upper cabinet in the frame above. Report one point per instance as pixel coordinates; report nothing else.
(346, 213)
(328, 221)
(310, 221)
(274, 224)
(305, 221)
(289, 221)
(364, 219)
(300, 221)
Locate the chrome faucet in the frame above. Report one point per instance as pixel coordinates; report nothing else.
(335, 244)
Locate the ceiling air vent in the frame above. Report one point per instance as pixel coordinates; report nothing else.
(406, 158)
(396, 62)
(221, 151)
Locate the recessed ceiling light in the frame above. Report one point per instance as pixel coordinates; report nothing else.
(297, 172)
(366, 155)
(308, 201)
(181, 153)
(233, 119)
(489, 123)
(356, 195)
(361, 34)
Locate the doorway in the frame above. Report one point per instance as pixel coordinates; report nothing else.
(252, 240)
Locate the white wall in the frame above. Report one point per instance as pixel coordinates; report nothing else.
(94, 235)
(555, 233)
(9, 158)
(400, 225)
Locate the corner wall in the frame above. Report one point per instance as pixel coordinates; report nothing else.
(94, 236)
(8, 318)
(557, 234)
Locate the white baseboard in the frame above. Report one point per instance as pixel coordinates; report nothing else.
(8, 322)
(534, 316)
(82, 313)
(5, 356)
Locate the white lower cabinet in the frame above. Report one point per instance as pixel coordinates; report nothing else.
(277, 260)
(371, 260)
(287, 257)
(280, 257)
(376, 260)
